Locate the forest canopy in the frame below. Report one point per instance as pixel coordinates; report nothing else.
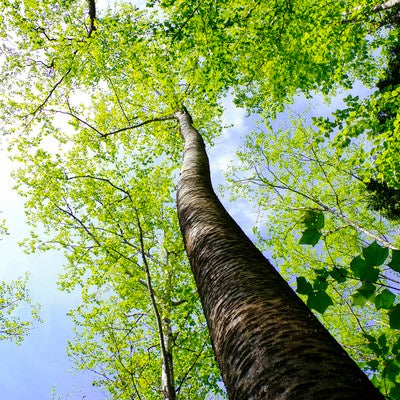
(87, 95)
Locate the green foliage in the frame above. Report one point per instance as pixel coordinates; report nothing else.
(109, 205)
(17, 313)
(269, 51)
(394, 263)
(314, 222)
(394, 317)
(384, 300)
(317, 298)
(103, 191)
(322, 231)
(384, 199)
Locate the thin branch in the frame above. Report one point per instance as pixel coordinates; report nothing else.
(379, 7)
(53, 89)
(119, 357)
(71, 114)
(104, 135)
(118, 100)
(351, 310)
(43, 30)
(186, 21)
(191, 367)
(388, 278)
(148, 121)
(97, 178)
(284, 186)
(69, 212)
(326, 177)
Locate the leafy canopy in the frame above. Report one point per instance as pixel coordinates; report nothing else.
(103, 190)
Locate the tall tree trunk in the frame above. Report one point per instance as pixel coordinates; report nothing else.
(267, 342)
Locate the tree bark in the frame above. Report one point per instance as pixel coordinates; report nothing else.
(267, 342)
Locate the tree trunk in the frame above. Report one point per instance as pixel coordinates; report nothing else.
(267, 342)
(167, 367)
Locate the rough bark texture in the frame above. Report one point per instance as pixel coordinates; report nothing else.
(267, 342)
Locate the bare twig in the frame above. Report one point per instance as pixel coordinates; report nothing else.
(196, 359)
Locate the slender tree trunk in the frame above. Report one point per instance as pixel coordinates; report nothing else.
(267, 342)
(163, 327)
(167, 368)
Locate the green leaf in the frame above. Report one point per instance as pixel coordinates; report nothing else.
(382, 341)
(363, 293)
(394, 317)
(320, 283)
(357, 265)
(373, 364)
(303, 286)
(384, 300)
(314, 219)
(370, 274)
(395, 392)
(395, 261)
(338, 274)
(391, 370)
(310, 236)
(367, 290)
(361, 269)
(319, 301)
(374, 347)
(358, 299)
(375, 254)
(396, 347)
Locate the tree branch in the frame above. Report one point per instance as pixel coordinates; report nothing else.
(338, 213)
(379, 7)
(53, 89)
(148, 121)
(92, 15)
(104, 135)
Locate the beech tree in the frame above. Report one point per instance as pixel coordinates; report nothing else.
(103, 190)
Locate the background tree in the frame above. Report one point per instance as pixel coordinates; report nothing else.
(18, 314)
(339, 248)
